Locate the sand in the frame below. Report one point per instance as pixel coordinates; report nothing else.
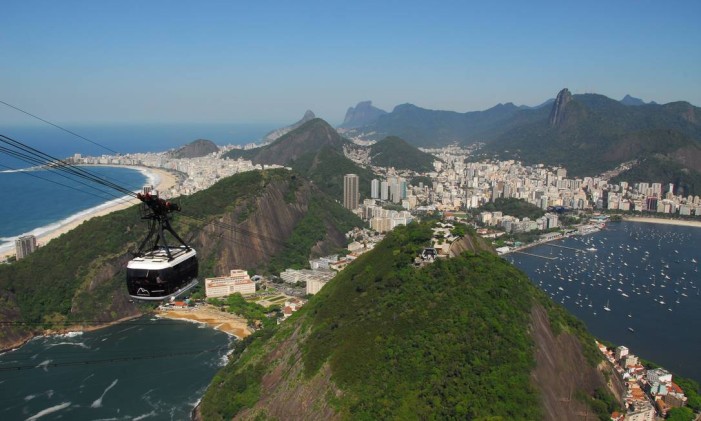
(226, 322)
(680, 222)
(164, 181)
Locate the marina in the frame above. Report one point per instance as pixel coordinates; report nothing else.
(635, 283)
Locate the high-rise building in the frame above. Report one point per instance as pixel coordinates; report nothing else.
(24, 246)
(375, 188)
(351, 197)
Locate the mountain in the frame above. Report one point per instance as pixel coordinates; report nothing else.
(423, 127)
(591, 133)
(195, 149)
(632, 101)
(315, 150)
(277, 133)
(394, 152)
(279, 219)
(361, 115)
(469, 337)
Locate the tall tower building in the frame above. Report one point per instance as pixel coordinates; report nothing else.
(375, 188)
(351, 197)
(24, 246)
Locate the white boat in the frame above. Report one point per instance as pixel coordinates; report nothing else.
(606, 307)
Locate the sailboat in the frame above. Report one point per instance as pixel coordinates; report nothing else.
(606, 307)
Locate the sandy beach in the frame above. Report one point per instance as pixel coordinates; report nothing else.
(162, 179)
(680, 222)
(226, 322)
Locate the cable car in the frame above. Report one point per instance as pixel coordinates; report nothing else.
(164, 270)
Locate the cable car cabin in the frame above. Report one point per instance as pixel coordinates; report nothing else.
(153, 277)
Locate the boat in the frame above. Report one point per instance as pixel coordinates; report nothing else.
(631, 329)
(606, 307)
(591, 249)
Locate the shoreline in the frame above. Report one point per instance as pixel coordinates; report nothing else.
(663, 221)
(160, 178)
(228, 323)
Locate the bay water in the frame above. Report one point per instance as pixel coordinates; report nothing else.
(145, 368)
(646, 275)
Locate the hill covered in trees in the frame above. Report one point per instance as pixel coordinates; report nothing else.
(394, 152)
(469, 337)
(258, 220)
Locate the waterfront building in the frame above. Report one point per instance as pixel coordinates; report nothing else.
(351, 196)
(24, 246)
(222, 286)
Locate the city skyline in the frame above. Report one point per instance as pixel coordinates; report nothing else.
(163, 62)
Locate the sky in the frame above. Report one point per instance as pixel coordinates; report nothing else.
(266, 61)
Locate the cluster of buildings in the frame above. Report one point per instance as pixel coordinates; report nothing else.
(647, 392)
(200, 173)
(649, 197)
(512, 224)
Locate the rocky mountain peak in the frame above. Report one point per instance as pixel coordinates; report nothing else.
(278, 133)
(361, 115)
(557, 114)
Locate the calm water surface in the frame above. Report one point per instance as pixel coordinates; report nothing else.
(647, 275)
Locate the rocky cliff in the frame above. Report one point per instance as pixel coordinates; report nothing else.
(361, 115)
(557, 112)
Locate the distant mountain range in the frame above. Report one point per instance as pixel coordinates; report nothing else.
(587, 133)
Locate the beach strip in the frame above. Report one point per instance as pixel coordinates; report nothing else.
(226, 322)
(161, 179)
(663, 221)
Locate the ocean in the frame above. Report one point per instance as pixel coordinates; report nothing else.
(146, 368)
(647, 275)
(32, 205)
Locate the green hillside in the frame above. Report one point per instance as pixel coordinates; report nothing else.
(385, 340)
(394, 152)
(80, 275)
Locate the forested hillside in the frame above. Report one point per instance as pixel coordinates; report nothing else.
(386, 340)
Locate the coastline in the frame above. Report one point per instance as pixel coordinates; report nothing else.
(228, 323)
(663, 221)
(161, 179)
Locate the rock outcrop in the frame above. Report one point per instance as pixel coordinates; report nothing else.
(557, 113)
(361, 115)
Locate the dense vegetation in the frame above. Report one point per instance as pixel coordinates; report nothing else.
(513, 207)
(446, 341)
(80, 276)
(394, 152)
(326, 168)
(449, 340)
(312, 229)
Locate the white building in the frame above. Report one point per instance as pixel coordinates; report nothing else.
(222, 286)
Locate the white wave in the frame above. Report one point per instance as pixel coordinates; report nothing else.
(44, 364)
(48, 411)
(80, 344)
(70, 334)
(29, 397)
(98, 401)
(49, 393)
(141, 417)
